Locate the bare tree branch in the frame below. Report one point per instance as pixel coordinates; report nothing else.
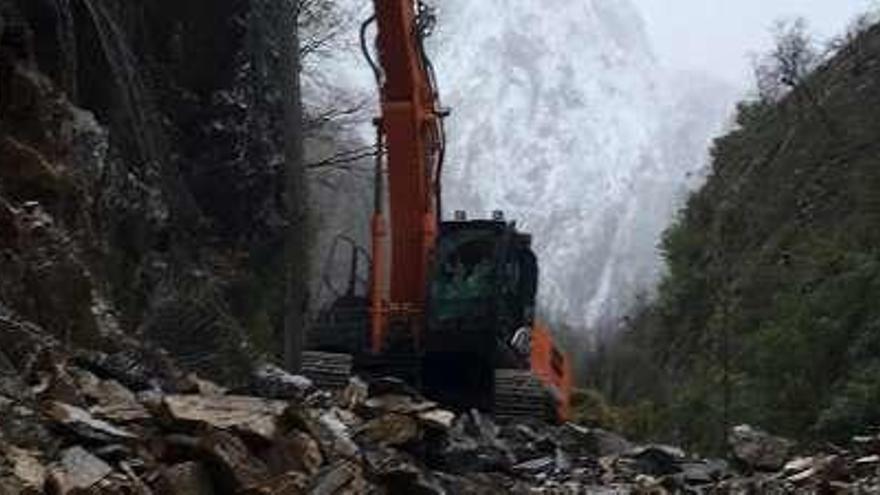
(336, 114)
(793, 57)
(345, 160)
(323, 24)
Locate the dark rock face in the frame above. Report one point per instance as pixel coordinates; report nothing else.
(140, 174)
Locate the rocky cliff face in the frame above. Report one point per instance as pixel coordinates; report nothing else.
(140, 172)
(563, 119)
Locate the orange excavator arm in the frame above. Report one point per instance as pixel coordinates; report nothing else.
(410, 129)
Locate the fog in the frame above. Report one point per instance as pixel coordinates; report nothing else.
(716, 36)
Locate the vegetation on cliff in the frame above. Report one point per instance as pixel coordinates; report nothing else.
(768, 313)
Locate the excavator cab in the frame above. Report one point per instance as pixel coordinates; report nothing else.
(480, 346)
(482, 268)
(481, 301)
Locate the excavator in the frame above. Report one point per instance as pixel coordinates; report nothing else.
(448, 305)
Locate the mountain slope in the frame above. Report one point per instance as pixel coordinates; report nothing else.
(769, 312)
(563, 119)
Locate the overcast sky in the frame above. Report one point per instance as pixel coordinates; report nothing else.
(716, 36)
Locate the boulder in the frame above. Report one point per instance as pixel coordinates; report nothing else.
(327, 427)
(270, 381)
(657, 460)
(186, 478)
(250, 415)
(389, 429)
(110, 399)
(83, 424)
(77, 471)
(437, 418)
(27, 471)
(355, 394)
(237, 463)
(582, 442)
(342, 477)
(758, 449)
(396, 403)
(289, 483)
(296, 451)
(399, 472)
(816, 469)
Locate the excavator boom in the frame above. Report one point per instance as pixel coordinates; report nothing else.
(410, 125)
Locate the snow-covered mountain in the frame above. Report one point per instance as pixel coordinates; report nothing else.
(562, 118)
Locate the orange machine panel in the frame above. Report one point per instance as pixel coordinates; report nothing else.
(552, 367)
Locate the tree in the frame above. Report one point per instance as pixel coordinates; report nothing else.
(295, 194)
(793, 57)
(322, 28)
(333, 115)
(786, 67)
(310, 30)
(852, 39)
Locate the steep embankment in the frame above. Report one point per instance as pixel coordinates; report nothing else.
(769, 312)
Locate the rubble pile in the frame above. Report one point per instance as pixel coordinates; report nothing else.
(129, 422)
(771, 465)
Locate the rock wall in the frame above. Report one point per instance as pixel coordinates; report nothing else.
(140, 173)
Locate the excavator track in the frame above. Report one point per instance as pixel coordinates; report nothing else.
(328, 370)
(519, 394)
